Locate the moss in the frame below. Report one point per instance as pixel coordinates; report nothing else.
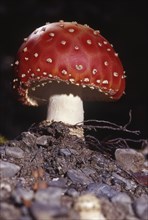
(2, 139)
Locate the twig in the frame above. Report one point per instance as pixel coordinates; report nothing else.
(108, 125)
(130, 119)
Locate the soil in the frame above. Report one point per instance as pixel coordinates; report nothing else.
(46, 169)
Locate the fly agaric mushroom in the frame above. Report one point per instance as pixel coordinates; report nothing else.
(64, 63)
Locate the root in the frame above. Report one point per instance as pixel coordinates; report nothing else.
(109, 144)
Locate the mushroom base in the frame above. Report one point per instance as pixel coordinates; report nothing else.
(65, 108)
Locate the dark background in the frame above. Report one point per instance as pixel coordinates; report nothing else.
(123, 23)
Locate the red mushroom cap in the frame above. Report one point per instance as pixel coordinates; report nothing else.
(71, 53)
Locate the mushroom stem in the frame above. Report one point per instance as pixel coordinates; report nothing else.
(67, 109)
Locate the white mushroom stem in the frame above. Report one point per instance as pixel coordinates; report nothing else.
(65, 108)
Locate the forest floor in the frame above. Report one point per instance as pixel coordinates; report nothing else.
(47, 173)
